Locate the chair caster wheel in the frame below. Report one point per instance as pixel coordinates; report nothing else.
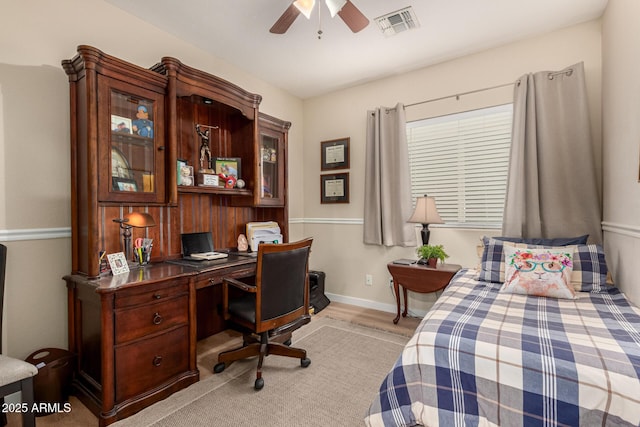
(259, 384)
(219, 367)
(287, 342)
(305, 362)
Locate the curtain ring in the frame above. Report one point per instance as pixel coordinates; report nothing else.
(567, 73)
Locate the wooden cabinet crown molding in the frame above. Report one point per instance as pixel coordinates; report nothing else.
(91, 58)
(274, 123)
(192, 81)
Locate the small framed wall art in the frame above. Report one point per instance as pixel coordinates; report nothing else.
(335, 154)
(334, 188)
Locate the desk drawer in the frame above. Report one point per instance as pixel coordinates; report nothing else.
(136, 322)
(147, 364)
(150, 293)
(215, 278)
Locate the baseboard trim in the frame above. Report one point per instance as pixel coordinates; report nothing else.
(364, 303)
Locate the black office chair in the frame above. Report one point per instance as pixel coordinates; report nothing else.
(275, 306)
(15, 374)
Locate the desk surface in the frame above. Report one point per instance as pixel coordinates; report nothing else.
(151, 273)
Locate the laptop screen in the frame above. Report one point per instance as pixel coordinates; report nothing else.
(195, 243)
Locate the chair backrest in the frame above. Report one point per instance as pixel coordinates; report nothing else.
(282, 280)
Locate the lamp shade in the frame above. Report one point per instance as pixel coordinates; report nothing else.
(426, 211)
(139, 219)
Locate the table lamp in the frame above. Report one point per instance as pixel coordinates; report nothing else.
(130, 220)
(426, 213)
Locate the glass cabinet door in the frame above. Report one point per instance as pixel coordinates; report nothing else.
(269, 171)
(134, 155)
(272, 152)
(271, 191)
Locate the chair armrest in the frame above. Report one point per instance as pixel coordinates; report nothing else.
(226, 281)
(290, 327)
(241, 285)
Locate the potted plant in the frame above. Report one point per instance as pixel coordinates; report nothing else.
(430, 254)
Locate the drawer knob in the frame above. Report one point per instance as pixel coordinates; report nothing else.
(157, 361)
(157, 296)
(157, 319)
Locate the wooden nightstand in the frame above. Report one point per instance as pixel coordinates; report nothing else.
(419, 278)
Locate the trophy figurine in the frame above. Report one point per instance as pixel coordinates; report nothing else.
(205, 152)
(206, 174)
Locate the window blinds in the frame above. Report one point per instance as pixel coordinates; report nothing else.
(462, 160)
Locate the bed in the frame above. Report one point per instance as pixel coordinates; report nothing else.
(483, 357)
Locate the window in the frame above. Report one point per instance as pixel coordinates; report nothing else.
(462, 160)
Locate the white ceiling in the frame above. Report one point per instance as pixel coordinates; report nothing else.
(237, 31)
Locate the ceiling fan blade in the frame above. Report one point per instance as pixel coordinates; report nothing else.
(286, 19)
(351, 16)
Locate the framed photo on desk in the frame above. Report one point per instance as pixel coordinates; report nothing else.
(118, 263)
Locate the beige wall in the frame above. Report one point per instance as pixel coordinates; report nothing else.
(621, 142)
(35, 35)
(337, 229)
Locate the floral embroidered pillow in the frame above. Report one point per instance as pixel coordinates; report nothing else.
(541, 272)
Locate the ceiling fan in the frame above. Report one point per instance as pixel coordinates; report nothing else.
(350, 14)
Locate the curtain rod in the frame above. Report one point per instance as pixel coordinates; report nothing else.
(458, 95)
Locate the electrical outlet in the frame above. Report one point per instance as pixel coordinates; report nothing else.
(368, 279)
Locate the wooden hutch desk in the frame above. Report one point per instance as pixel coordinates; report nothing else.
(133, 130)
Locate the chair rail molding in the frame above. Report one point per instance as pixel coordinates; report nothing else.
(35, 234)
(348, 221)
(623, 229)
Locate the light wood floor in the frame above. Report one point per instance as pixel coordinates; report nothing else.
(209, 348)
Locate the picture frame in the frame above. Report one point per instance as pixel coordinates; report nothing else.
(121, 124)
(124, 184)
(119, 164)
(230, 166)
(118, 263)
(334, 154)
(334, 188)
(184, 173)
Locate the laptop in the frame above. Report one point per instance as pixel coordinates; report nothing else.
(199, 247)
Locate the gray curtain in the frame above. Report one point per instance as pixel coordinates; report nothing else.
(387, 197)
(552, 188)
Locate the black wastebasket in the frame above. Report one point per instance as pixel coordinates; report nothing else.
(52, 384)
(317, 298)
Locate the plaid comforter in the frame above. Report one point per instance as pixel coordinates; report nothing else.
(484, 358)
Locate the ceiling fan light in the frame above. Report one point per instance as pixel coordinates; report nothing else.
(335, 6)
(305, 7)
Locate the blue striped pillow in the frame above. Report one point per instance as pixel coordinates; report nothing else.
(589, 269)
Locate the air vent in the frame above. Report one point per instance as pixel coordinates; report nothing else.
(397, 22)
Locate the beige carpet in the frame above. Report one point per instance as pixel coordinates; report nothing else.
(348, 363)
